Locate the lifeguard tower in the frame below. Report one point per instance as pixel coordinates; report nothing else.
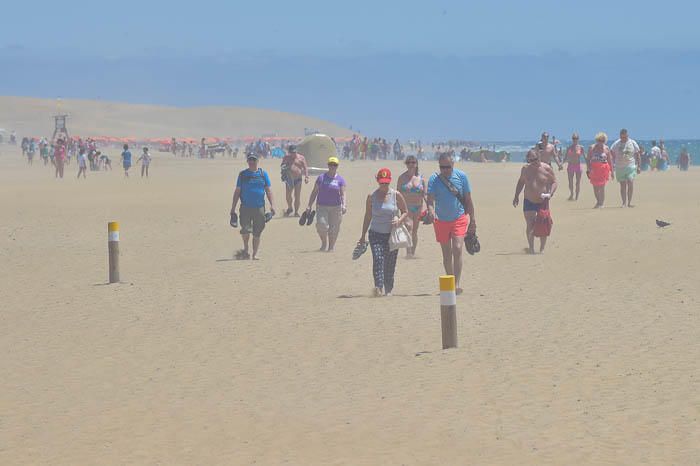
(60, 128)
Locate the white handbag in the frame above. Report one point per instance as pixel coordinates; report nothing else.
(400, 238)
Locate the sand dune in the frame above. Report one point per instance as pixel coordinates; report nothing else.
(31, 116)
(589, 354)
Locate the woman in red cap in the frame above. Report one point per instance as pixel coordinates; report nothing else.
(385, 209)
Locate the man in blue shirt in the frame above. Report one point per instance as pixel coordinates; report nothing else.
(453, 216)
(252, 186)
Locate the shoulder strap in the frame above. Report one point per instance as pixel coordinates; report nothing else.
(452, 188)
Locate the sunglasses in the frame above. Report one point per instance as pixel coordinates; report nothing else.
(411, 163)
(332, 164)
(445, 167)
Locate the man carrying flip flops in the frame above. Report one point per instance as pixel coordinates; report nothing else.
(450, 205)
(252, 186)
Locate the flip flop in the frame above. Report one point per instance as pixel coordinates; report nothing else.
(360, 249)
(310, 217)
(302, 219)
(234, 220)
(472, 243)
(242, 255)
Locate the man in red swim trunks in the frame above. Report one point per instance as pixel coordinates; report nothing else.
(453, 216)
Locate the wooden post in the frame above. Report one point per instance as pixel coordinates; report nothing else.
(113, 247)
(448, 311)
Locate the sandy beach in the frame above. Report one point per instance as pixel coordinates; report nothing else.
(589, 354)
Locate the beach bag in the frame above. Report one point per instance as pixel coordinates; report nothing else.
(400, 238)
(543, 222)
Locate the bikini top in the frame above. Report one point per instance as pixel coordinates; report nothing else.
(410, 188)
(578, 151)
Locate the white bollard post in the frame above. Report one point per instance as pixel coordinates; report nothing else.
(113, 248)
(448, 311)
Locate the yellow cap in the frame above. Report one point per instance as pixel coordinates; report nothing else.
(334, 160)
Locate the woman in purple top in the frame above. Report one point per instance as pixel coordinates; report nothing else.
(329, 194)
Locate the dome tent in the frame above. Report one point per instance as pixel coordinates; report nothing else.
(316, 149)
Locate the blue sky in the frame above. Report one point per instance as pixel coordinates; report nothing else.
(210, 27)
(481, 69)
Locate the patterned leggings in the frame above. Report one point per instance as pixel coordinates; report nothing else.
(383, 261)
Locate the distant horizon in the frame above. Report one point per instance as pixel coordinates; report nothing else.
(525, 139)
(485, 69)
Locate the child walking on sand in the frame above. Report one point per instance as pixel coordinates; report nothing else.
(82, 163)
(145, 160)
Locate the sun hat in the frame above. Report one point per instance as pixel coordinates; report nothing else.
(384, 175)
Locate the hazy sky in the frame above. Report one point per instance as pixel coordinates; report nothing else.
(208, 27)
(430, 69)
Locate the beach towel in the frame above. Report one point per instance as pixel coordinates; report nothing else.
(543, 221)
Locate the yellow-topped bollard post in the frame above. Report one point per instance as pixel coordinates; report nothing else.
(448, 311)
(113, 248)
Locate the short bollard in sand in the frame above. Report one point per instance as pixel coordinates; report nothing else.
(113, 246)
(448, 311)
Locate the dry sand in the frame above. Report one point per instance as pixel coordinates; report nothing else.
(34, 117)
(589, 354)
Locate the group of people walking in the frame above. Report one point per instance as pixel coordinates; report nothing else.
(443, 200)
(373, 149)
(87, 155)
(621, 160)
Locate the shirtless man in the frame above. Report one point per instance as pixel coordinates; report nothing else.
(540, 185)
(547, 151)
(293, 169)
(573, 168)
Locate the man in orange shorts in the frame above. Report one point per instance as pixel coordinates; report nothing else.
(450, 204)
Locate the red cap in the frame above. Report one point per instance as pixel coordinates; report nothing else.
(384, 175)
